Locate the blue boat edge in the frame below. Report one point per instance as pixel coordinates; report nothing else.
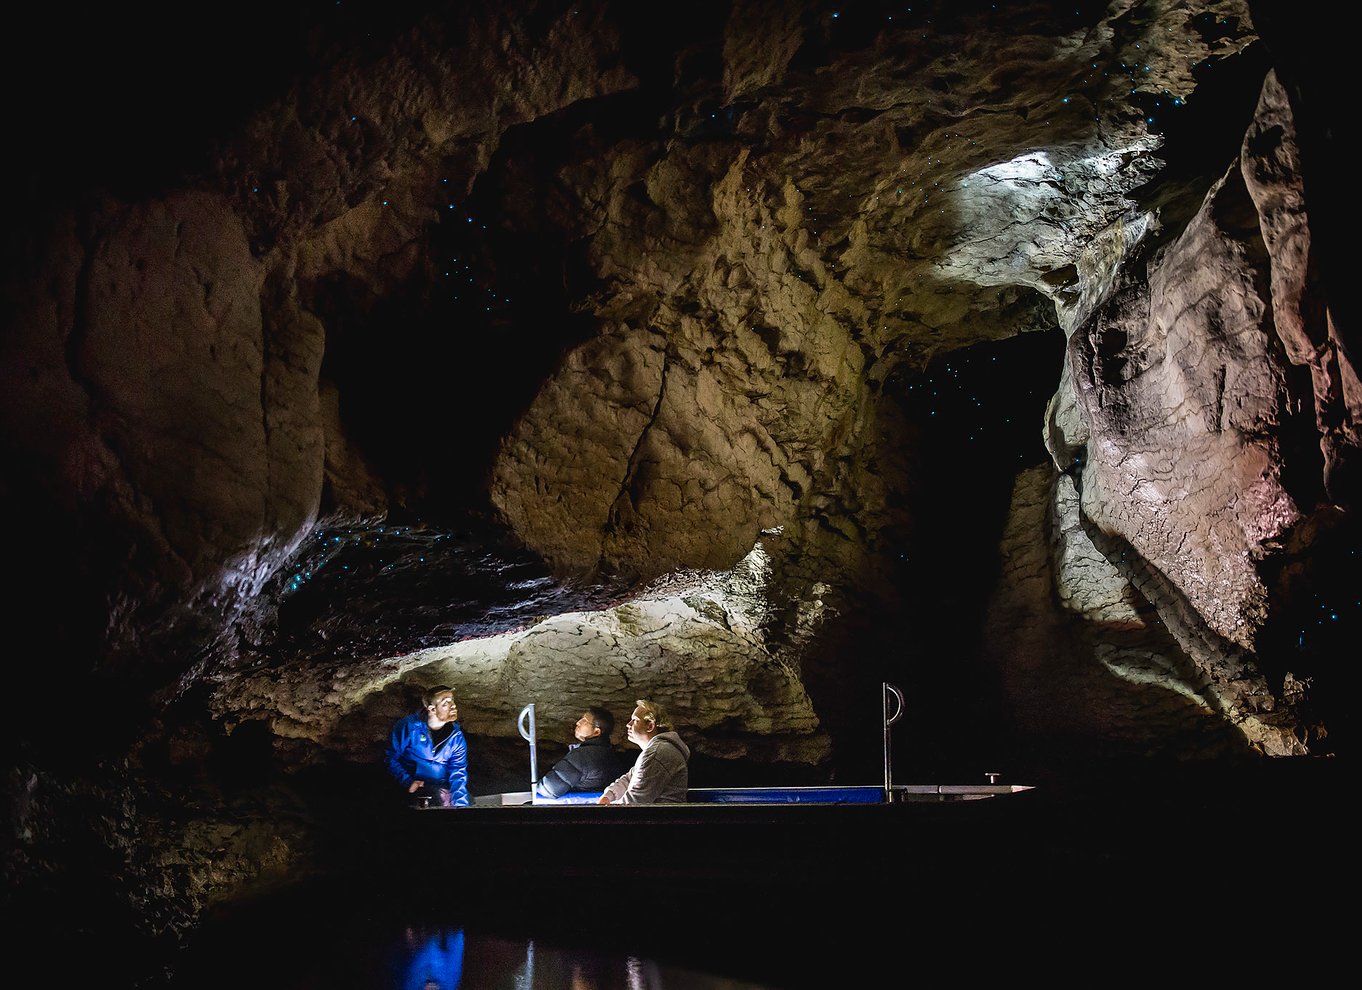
(831, 794)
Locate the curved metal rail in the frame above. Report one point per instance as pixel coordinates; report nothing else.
(526, 726)
(890, 691)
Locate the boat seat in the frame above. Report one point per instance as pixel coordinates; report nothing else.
(787, 795)
(572, 797)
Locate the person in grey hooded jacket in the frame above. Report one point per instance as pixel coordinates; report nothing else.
(661, 774)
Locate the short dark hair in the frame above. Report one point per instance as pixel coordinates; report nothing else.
(602, 720)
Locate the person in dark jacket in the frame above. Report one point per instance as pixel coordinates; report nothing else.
(426, 751)
(591, 762)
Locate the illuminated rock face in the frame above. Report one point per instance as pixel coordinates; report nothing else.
(1207, 394)
(694, 640)
(487, 351)
(232, 373)
(1082, 653)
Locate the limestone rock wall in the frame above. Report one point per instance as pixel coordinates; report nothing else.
(1302, 317)
(735, 245)
(692, 642)
(635, 302)
(164, 377)
(1085, 658)
(1189, 444)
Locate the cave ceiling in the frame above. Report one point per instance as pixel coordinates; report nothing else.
(744, 354)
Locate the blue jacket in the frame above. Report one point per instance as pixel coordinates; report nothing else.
(409, 757)
(439, 961)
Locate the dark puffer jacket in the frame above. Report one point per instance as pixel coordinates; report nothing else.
(589, 766)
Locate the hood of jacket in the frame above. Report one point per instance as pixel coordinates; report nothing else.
(674, 739)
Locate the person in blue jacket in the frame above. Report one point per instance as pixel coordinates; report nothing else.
(433, 960)
(426, 751)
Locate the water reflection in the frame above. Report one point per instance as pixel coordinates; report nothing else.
(325, 937)
(450, 959)
(432, 960)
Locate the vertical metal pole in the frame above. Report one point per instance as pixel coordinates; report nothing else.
(526, 727)
(887, 690)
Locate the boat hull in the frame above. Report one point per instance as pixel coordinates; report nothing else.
(806, 842)
(897, 794)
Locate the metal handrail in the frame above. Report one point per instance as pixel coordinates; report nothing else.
(527, 718)
(889, 689)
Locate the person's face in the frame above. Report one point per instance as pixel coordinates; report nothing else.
(444, 708)
(640, 729)
(585, 728)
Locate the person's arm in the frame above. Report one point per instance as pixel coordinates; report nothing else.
(564, 776)
(392, 756)
(458, 771)
(650, 775)
(616, 789)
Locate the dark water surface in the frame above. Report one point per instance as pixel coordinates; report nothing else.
(326, 934)
(1126, 873)
(364, 950)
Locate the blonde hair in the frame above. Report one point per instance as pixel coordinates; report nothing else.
(656, 714)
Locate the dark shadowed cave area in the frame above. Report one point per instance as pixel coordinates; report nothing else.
(741, 355)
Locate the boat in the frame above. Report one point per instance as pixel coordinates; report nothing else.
(887, 793)
(839, 886)
(787, 841)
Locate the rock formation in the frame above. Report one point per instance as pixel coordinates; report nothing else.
(568, 356)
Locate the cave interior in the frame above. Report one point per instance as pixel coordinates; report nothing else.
(742, 355)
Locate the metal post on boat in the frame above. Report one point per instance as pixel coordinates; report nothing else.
(889, 689)
(526, 726)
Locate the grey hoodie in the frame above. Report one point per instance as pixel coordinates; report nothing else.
(660, 775)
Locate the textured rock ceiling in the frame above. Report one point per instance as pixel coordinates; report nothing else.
(745, 356)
